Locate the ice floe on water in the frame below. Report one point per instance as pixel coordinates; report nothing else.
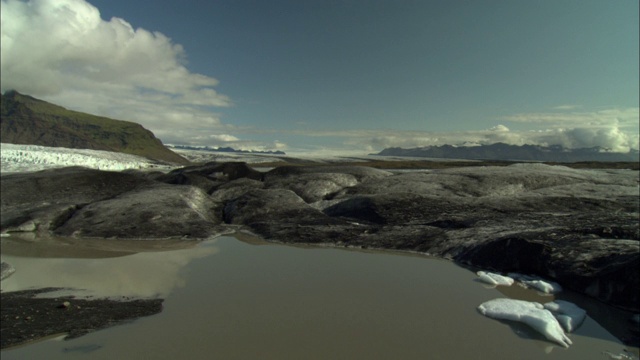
(621, 356)
(531, 313)
(544, 286)
(494, 279)
(569, 315)
(553, 319)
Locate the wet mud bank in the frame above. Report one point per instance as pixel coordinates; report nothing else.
(27, 317)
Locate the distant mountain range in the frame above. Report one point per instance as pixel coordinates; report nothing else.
(27, 120)
(501, 151)
(226, 149)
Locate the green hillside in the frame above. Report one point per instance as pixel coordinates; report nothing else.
(27, 120)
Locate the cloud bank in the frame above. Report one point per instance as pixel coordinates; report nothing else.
(613, 129)
(62, 51)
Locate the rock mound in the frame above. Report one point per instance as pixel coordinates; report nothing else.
(577, 227)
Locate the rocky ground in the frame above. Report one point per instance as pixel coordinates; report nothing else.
(26, 317)
(579, 228)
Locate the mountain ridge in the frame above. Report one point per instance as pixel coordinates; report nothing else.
(227, 149)
(30, 121)
(502, 151)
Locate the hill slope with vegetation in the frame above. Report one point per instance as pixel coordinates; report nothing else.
(27, 120)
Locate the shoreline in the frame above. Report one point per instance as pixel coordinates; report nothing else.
(27, 318)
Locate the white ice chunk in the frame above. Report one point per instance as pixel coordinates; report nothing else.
(626, 356)
(569, 315)
(547, 287)
(494, 279)
(520, 277)
(530, 313)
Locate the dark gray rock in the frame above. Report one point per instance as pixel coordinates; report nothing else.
(157, 212)
(203, 182)
(210, 175)
(235, 188)
(40, 201)
(361, 173)
(604, 268)
(312, 187)
(6, 270)
(321, 182)
(91, 203)
(277, 206)
(577, 227)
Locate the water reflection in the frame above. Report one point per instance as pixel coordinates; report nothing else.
(98, 268)
(30, 245)
(283, 302)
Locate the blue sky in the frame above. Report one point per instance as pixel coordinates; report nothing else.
(349, 76)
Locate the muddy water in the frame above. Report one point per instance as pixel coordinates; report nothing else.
(228, 299)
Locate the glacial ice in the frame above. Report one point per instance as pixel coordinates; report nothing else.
(569, 315)
(547, 287)
(530, 313)
(18, 158)
(494, 279)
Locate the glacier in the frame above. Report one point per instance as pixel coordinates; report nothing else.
(24, 158)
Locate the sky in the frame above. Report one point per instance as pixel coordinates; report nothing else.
(325, 76)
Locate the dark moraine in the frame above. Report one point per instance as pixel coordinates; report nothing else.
(26, 317)
(577, 227)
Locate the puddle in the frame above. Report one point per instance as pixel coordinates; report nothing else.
(230, 299)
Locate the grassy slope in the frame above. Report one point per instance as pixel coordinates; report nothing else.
(26, 120)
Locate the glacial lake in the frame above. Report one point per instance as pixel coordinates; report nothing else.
(232, 299)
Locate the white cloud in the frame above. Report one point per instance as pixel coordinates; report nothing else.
(611, 137)
(626, 117)
(63, 52)
(226, 140)
(223, 137)
(499, 128)
(257, 145)
(279, 145)
(615, 128)
(566, 107)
